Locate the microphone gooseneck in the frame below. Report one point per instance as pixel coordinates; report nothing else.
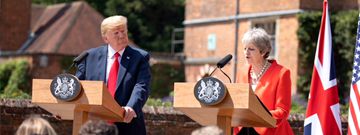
(221, 64)
(80, 57)
(225, 75)
(213, 71)
(77, 60)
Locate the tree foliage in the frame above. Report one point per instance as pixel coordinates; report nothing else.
(163, 78)
(150, 22)
(14, 79)
(343, 26)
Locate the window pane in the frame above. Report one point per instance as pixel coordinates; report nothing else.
(270, 27)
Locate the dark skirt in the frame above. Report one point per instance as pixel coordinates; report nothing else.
(247, 131)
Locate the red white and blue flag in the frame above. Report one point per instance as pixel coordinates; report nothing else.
(323, 110)
(354, 112)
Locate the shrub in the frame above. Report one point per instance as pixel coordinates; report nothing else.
(343, 26)
(15, 79)
(163, 78)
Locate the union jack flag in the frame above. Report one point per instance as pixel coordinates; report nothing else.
(323, 111)
(354, 112)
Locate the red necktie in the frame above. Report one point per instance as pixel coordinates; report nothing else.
(113, 75)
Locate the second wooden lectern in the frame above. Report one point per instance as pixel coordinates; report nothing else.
(239, 108)
(94, 102)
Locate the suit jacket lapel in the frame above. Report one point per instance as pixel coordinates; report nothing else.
(124, 63)
(102, 58)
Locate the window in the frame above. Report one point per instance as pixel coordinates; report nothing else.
(43, 61)
(269, 25)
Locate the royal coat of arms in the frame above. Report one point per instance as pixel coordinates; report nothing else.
(65, 87)
(209, 91)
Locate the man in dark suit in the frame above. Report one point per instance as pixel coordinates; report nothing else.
(124, 69)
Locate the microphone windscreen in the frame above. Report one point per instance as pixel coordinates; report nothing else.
(224, 61)
(80, 57)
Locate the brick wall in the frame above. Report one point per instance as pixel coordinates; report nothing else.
(196, 9)
(14, 23)
(196, 41)
(255, 6)
(287, 46)
(159, 120)
(196, 46)
(52, 68)
(196, 36)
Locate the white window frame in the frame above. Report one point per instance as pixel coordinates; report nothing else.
(273, 37)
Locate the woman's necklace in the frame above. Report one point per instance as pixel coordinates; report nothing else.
(255, 78)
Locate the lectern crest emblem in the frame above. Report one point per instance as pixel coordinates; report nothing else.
(65, 87)
(209, 91)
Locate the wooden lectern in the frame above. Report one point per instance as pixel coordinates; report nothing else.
(94, 102)
(239, 108)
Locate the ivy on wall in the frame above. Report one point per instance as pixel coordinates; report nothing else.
(15, 79)
(343, 26)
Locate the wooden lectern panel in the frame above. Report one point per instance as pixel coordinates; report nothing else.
(240, 104)
(94, 99)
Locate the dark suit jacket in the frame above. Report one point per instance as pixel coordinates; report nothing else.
(132, 85)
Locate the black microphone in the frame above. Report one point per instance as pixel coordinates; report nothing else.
(224, 61)
(78, 59)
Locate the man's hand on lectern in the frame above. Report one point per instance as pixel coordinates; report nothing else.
(129, 114)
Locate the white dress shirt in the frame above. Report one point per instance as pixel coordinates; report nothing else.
(111, 59)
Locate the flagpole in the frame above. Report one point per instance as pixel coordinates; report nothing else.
(323, 110)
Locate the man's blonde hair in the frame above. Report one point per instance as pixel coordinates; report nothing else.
(113, 22)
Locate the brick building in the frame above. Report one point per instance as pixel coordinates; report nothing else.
(213, 27)
(48, 37)
(14, 23)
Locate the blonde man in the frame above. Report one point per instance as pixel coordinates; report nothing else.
(124, 69)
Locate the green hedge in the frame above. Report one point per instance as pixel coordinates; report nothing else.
(163, 78)
(162, 83)
(343, 26)
(15, 79)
